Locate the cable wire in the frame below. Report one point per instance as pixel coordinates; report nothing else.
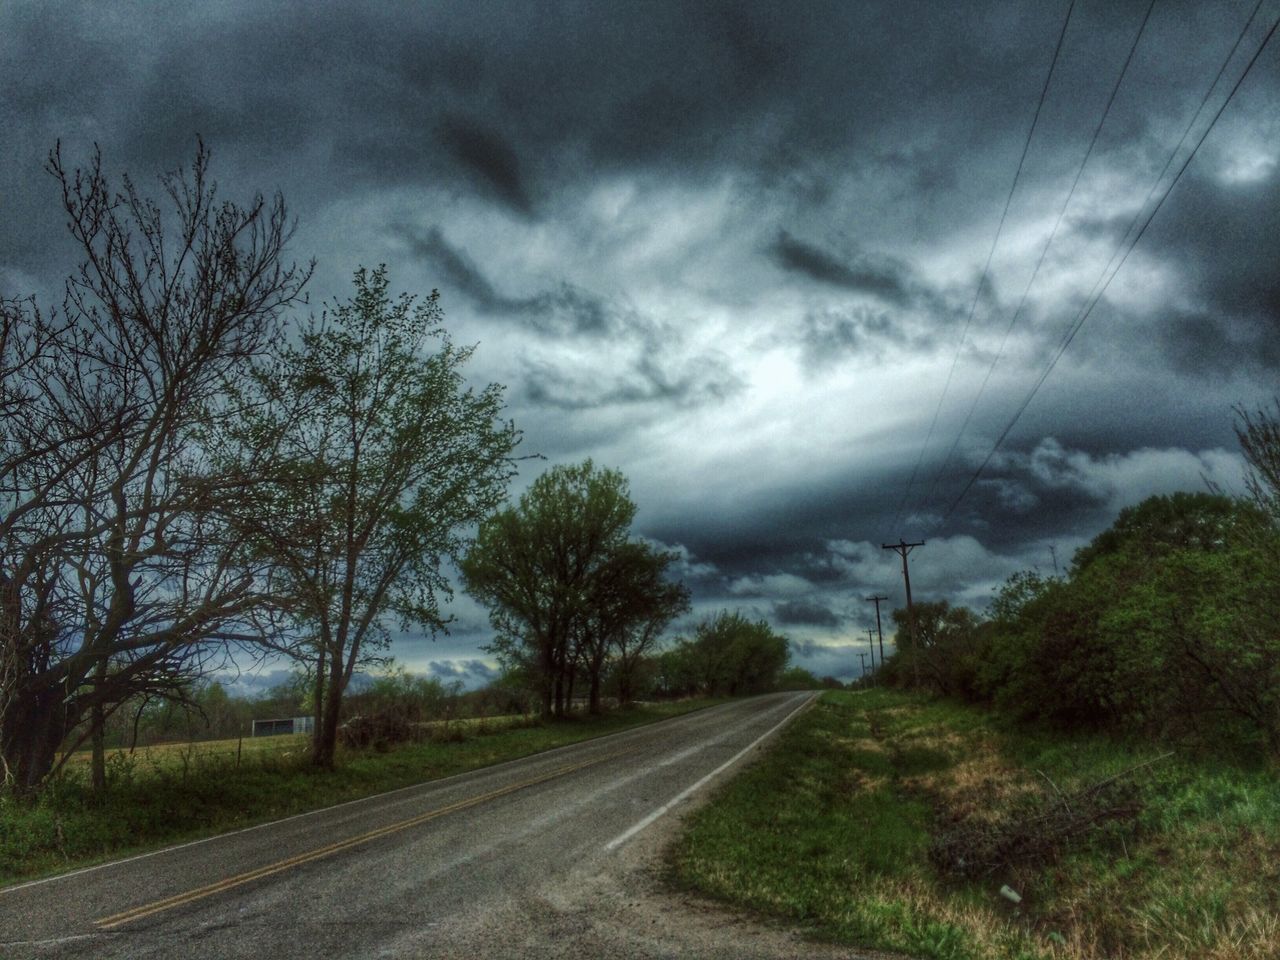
(1044, 91)
(1013, 319)
(1095, 297)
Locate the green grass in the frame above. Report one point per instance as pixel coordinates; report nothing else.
(184, 792)
(831, 831)
(180, 755)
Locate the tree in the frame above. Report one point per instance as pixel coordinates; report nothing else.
(1259, 436)
(561, 578)
(119, 575)
(947, 653)
(1166, 625)
(798, 678)
(631, 603)
(1161, 524)
(381, 459)
(728, 654)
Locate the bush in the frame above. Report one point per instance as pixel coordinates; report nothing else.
(1166, 626)
(380, 732)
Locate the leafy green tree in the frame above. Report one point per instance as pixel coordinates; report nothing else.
(727, 654)
(632, 602)
(563, 581)
(383, 459)
(1161, 524)
(798, 678)
(677, 670)
(948, 648)
(1167, 625)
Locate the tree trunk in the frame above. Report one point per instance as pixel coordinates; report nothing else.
(327, 740)
(98, 736)
(624, 687)
(98, 733)
(317, 705)
(545, 681)
(35, 725)
(593, 701)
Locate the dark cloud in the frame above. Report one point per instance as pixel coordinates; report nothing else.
(489, 158)
(863, 274)
(705, 379)
(828, 336)
(564, 309)
(457, 272)
(655, 150)
(805, 612)
(471, 672)
(1236, 321)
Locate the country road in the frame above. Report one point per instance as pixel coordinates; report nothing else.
(551, 855)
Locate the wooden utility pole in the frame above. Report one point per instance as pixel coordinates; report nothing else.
(862, 660)
(871, 645)
(902, 548)
(879, 632)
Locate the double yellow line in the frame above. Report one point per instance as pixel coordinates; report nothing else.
(229, 883)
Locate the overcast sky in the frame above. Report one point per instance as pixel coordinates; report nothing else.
(731, 249)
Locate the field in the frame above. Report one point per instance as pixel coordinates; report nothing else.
(173, 756)
(176, 792)
(857, 824)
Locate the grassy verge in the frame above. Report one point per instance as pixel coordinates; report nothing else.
(237, 750)
(181, 793)
(833, 828)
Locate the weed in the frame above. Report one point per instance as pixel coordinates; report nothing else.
(833, 827)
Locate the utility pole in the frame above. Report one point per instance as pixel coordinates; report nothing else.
(1053, 552)
(876, 600)
(871, 645)
(862, 660)
(902, 548)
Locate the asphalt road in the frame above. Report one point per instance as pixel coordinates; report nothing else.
(546, 856)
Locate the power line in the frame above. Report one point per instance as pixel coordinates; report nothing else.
(1044, 91)
(879, 630)
(902, 549)
(1096, 294)
(1013, 319)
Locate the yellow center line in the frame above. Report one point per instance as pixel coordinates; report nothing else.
(229, 883)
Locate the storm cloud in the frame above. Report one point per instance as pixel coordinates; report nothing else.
(737, 250)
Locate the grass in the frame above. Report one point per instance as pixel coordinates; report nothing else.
(175, 756)
(185, 791)
(832, 829)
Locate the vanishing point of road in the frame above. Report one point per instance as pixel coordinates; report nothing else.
(551, 855)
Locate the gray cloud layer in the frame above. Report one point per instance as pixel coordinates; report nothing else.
(731, 247)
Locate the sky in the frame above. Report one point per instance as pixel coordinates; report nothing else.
(762, 258)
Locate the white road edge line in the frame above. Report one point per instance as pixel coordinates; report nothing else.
(424, 786)
(684, 794)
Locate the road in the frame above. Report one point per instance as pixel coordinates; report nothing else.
(551, 855)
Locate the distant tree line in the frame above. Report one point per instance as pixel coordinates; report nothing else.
(1167, 623)
(728, 655)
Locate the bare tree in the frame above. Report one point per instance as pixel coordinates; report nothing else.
(119, 573)
(1259, 434)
